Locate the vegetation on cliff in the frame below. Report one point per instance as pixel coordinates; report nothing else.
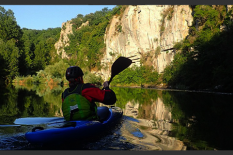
(205, 57)
(87, 42)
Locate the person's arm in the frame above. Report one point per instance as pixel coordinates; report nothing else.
(95, 94)
(110, 96)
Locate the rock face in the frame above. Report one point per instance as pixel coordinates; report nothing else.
(84, 24)
(144, 31)
(64, 40)
(229, 7)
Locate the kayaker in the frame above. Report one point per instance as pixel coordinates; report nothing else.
(78, 101)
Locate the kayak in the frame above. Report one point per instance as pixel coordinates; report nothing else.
(69, 131)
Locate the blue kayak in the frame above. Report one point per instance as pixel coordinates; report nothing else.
(74, 130)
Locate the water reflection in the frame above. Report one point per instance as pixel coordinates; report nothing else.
(153, 123)
(28, 102)
(200, 120)
(153, 119)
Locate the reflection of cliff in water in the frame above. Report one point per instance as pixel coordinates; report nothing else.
(152, 127)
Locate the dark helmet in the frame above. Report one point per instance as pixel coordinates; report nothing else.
(73, 72)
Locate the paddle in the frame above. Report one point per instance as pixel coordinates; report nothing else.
(38, 120)
(119, 65)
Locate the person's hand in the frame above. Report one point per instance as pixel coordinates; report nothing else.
(105, 84)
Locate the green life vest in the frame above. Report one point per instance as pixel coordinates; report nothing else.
(77, 107)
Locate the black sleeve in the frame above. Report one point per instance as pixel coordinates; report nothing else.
(109, 97)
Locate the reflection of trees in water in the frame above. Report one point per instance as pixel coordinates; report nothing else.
(142, 103)
(8, 104)
(201, 120)
(134, 95)
(24, 102)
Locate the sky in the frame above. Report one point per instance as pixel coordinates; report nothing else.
(49, 16)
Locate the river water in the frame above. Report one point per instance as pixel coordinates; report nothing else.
(153, 119)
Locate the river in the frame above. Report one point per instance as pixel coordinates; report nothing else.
(153, 119)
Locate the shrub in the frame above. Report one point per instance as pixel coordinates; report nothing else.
(92, 78)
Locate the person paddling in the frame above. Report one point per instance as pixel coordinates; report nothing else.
(78, 101)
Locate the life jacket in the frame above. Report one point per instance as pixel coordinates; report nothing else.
(77, 107)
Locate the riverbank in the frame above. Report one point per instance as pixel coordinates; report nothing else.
(53, 83)
(169, 88)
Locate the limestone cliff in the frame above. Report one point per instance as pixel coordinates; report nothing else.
(146, 30)
(63, 41)
(142, 30)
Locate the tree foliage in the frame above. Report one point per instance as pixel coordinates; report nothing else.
(8, 26)
(10, 44)
(87, 42)
(39, 50)
(209, 64)
(137, 76)
(24, 51)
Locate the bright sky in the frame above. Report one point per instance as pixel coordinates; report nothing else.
(49, 16)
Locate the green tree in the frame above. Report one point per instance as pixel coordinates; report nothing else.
(9, 56)
(41, 56)
(10, 44)
(8, 26)
(36, 41)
